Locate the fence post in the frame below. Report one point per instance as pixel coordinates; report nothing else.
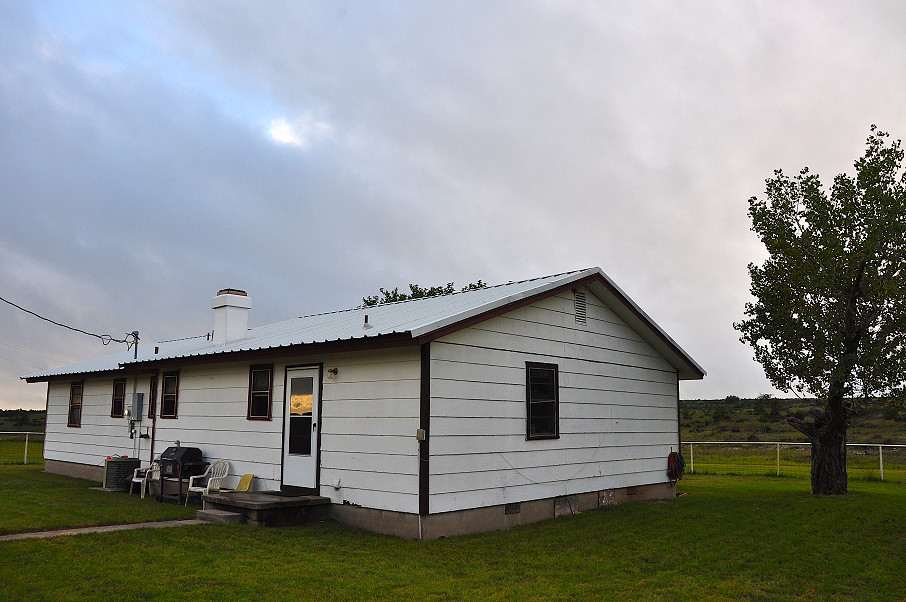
(881, 459)
(25, 455)
(691, 460)
(778, 459)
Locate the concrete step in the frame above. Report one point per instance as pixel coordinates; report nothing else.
(219, 516)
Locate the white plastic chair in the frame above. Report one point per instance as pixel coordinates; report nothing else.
(215, 474)
(144, 477)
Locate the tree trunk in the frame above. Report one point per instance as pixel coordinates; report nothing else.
(827, 433)
(829, 463)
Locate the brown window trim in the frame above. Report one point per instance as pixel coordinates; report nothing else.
(152, 397)
(528, 400)
(72, 387)
(164, 395)
(270, 391)
(121, 398)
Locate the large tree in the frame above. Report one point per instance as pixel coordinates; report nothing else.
(829, 316)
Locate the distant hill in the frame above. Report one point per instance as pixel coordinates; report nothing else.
(764, 419)
(22, 420)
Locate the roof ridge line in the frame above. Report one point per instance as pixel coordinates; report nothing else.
(340, 311)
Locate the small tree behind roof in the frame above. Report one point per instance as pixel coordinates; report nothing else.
(417, 292)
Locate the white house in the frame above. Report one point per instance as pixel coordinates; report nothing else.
(464, 412)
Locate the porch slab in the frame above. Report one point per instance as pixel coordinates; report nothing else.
(219, 516)
(270, 509)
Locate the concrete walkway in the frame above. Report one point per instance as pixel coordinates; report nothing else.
(103, 529)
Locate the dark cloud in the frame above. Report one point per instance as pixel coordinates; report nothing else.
(413, 142)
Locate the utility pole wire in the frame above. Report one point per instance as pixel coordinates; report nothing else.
(106, 339)
(9, 359)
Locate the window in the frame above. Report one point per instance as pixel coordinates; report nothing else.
(119, 398)
(541, 401)
(152, 398)
(75, 405)
(168, 398)
(261, 379)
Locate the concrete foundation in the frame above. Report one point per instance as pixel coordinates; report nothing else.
(73, 469)
(388, 522)
(262, 509)
(491, 518)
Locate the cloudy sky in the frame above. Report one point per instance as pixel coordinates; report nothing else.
(311, 152)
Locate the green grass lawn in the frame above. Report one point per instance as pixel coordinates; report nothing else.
(32, 500)
(729, 538)
(12, 449)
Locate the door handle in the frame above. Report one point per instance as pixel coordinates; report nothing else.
(314, 425)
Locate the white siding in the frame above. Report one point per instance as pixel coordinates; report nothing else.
(369, 419)
(99, 435)
(618, 408)
(212, 414)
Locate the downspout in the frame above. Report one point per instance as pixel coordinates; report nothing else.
(424, 435)
(46, 414)
(679, 430)
(154, 413)
(136, 441)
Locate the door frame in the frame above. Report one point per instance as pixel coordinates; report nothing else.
(316, 444)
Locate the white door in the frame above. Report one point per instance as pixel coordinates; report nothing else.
(300, 427)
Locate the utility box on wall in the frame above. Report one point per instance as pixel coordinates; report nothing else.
(138, 406)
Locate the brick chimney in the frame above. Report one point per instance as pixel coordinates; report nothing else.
(231, 315)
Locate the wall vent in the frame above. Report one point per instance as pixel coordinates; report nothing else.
(580, 307)
(514, 508)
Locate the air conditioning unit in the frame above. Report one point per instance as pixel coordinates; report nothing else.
(118, 472)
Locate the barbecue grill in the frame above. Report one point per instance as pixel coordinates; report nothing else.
(180, 463)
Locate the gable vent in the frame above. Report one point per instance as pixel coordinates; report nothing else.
(580, 307)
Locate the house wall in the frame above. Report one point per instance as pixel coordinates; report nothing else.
(618, 408)
(369, 416)
(99, 435)
(369, 419)
(212, 411)
(369, 413)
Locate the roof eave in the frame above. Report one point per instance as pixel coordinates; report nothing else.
(43, 378)
(381, 341)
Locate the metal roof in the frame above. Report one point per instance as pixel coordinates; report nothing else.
(417, 318)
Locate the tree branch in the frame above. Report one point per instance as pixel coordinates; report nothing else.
(806, 428)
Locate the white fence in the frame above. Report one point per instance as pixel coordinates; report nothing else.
(897, 451)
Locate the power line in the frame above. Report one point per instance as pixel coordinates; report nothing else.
(9, 359)
(47, 359)
(106, 339)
